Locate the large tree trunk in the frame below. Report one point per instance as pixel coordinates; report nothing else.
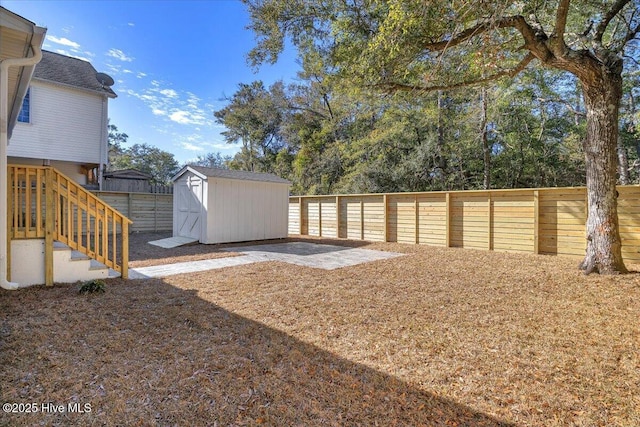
(604, 248)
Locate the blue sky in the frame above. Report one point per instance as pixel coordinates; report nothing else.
(172, 62)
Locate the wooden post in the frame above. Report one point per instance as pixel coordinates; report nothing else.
(49, 226)
(155, 211)
(490, 225)
(447, 220)
(417, 220)
(319, 217)
(125, 248)
(361, 219)
(536, 222)
(385, 200)
(300, 215)
(129, 205)
(338, 217)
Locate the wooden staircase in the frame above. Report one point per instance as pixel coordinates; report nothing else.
(45, 204)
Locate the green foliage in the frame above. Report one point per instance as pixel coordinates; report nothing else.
(211, 160)
(253, 117)
(161, 165)
(95, 286)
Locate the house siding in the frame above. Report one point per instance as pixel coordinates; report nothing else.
(66, 124)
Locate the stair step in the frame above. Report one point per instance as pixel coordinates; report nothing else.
(59, 246)
(97, 265)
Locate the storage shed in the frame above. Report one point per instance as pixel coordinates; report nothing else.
(220, 205)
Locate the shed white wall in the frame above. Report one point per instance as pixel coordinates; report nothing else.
(240, 210)
(66, 124)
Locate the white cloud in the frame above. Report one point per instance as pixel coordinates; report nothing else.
(141, 75)
(131, 24)
(120, 55)
(169, 92)
(63, 41)
(183, 108)
(190, 147)
(181, 117)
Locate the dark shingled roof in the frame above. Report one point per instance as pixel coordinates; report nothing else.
(234, 174)
(70, 71)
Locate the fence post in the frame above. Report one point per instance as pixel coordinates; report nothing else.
(319, 217)
(385, 202)
(417, 220)
(536, 222)
(125, 249)
(49, 226)
(447, 220)
(300, 215)
(338, 217)
(490, 223)
(361, 218)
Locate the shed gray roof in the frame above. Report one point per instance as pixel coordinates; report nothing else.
(233, 174)
(70, 71)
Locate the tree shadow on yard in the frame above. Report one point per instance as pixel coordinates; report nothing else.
(148, 353)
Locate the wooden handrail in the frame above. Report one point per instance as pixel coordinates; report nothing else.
(45, 203)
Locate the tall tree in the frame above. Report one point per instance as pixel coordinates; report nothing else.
(211, 160)
(418, 46)
(161, 165)
(253, 117)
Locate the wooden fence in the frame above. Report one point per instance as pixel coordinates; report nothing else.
(544, 220)
(149, 212)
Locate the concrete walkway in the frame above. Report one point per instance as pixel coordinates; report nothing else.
(327, 257)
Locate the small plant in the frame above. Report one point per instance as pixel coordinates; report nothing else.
(92, 287)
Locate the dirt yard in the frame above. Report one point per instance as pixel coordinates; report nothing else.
(444, 337)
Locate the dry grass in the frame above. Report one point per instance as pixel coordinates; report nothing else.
(437, 337)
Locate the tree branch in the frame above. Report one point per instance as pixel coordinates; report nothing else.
(512, 72)
(558, 45)
(534, 40)
(611, 13)
(517, 22)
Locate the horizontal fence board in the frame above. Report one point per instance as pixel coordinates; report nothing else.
(149, 212)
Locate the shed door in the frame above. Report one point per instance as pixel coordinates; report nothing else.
(189, 195)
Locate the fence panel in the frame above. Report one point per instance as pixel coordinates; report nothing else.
(149, 212)
(543, 220)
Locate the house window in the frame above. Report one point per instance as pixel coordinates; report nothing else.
(24, 115)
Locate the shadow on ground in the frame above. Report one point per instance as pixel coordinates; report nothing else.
(153, 354)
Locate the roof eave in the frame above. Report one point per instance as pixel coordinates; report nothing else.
(37, 34)
(187, 169)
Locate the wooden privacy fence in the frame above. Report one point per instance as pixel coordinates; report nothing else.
(544, 220)
(149, 212)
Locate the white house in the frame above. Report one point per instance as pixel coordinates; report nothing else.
(219, 205)
(63, 120)
(51, 146)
